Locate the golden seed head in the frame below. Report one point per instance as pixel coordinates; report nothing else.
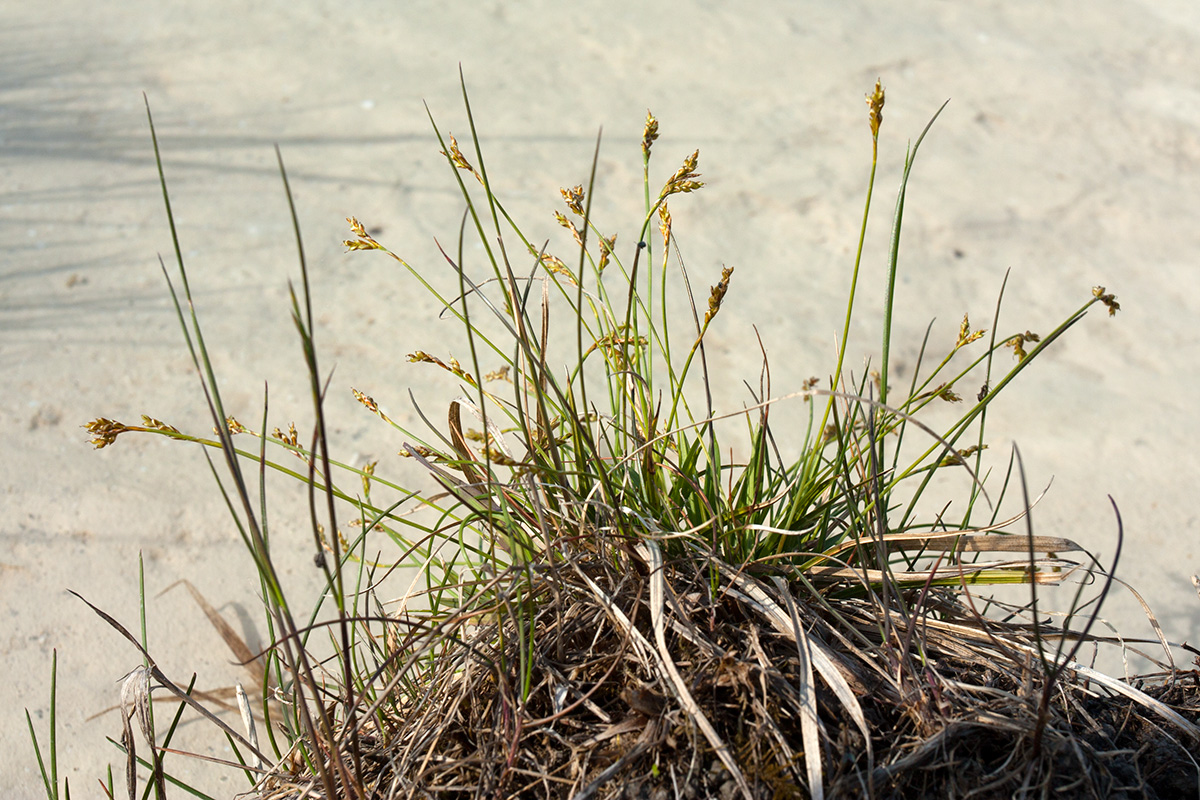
(291, 437)
(684, 178)
(573, 197)
(105, 431)
(664, 223)
(965, 334)
(649, 133)
(875, 102)
(366, 400)
(364, 241)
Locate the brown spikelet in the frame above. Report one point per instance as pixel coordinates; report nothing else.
(1017, 343)
(554, 265)
(573, 197)
(422, 451)
(566, 223)
(649, 134)
(606, 250)
(717, 294)
(947, 393)
(1109, 300)
(420, 356)
(291, 437)
(366, 400)
(684, 179)
(105, 431)
(459, 160)
(371, 405)
(965, 334)
(959, 457)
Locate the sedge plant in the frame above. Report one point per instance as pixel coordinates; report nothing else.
(605, 596)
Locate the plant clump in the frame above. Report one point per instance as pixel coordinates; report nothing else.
(608, 604)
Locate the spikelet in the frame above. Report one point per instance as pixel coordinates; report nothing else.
(420, 356)
(945, 391)
(959, 457)
(606, 250)
(498, 375)
(649, 134)
(553, 264)
(367, 472)
(664, 227)
(459, 160)
(684, 179)
(573, 197)
(875, 103)
(566, 223)
(1017, 343)
(966, 335)
(290, 438)
(1109, 300)
(157, 425)
(364, 241)
(105, 431)
(717, 294)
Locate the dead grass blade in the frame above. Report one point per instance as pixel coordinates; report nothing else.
(649, 550)
(809, 726)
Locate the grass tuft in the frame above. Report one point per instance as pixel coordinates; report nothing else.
(620, 592)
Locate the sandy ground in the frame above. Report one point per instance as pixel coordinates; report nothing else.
(1070, 154)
